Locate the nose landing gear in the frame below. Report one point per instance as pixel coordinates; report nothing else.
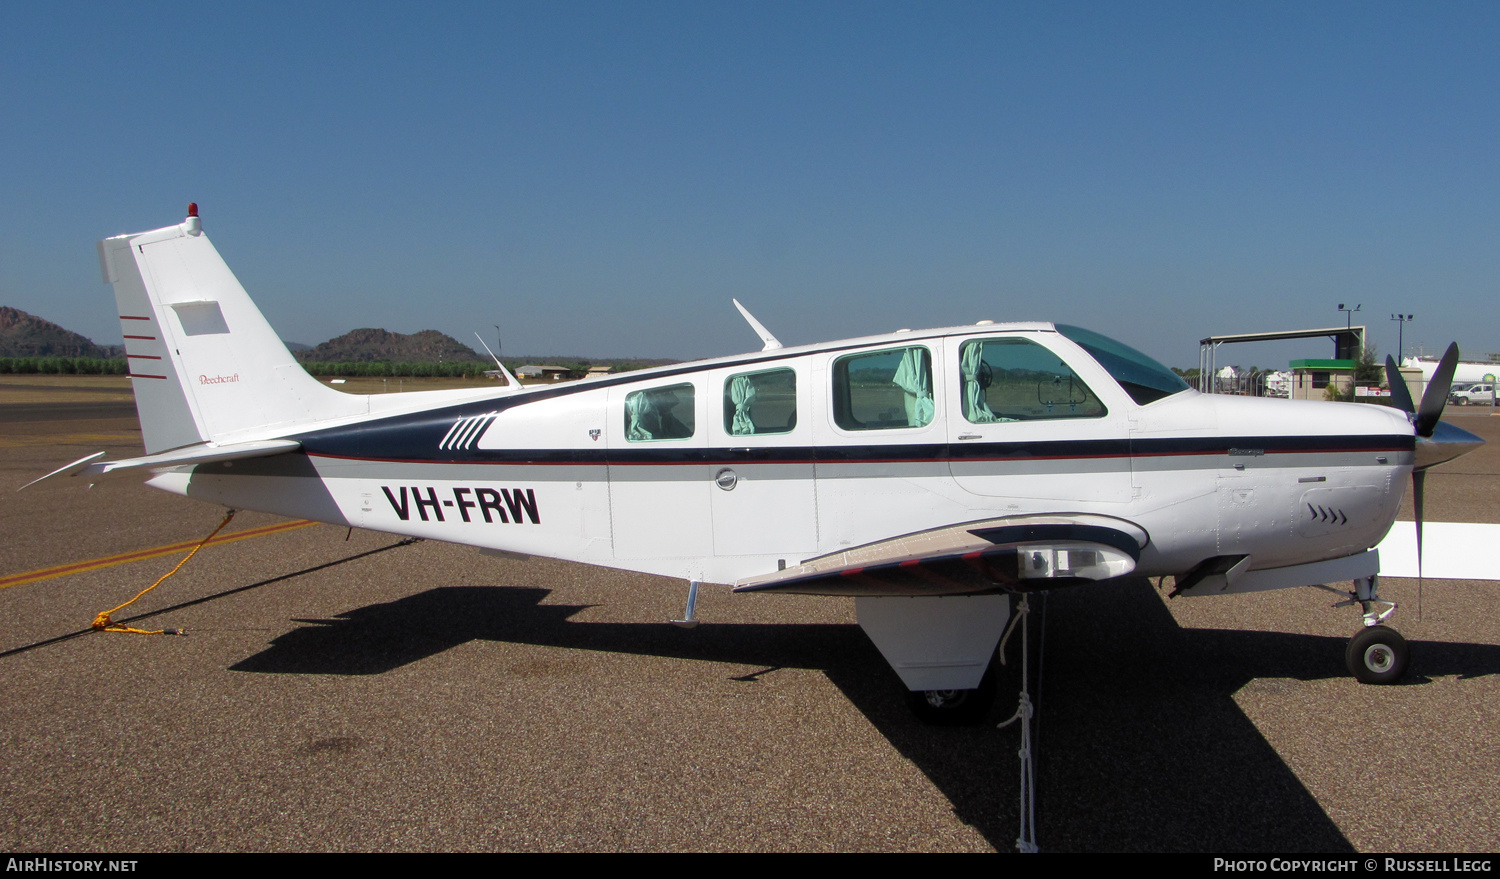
(1378, 654)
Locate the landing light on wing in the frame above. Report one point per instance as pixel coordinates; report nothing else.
(1012, 554)
(1042, 562)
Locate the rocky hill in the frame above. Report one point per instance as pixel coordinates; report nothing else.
(372, 345)
(26, 335)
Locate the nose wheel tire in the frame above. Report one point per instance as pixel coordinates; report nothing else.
(1377, 655)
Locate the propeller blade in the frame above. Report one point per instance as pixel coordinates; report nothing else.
(1436, 442)
(1400, 393)
(1418, 488)
(1436, 395)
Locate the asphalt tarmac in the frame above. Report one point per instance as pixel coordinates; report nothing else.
(352, 692)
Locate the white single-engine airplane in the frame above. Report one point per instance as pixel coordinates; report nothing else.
(932, 474)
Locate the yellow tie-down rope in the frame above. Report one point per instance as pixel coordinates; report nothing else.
(103, 623)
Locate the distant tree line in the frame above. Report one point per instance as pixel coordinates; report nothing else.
(464, 369)
(375, 369)
(62, 366)
(117, 366)
(382, 369)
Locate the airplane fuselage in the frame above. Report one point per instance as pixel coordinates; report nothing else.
(728, 469)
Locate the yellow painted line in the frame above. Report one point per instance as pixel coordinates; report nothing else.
(141, 554)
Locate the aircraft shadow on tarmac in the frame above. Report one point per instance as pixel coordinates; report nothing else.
(1140, 743)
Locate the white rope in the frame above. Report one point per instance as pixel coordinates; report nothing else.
(1026, 841)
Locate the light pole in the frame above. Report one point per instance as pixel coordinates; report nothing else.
(1349, 314)
(1401, 320)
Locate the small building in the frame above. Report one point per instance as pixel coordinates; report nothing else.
(1311, 379)
(543, 373)
(598, 371)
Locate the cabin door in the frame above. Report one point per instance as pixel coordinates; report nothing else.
(763, 494)
(1027, 426)
(659, 482)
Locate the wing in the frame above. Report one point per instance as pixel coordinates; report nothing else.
(1013, 554)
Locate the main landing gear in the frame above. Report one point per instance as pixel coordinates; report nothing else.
(968, 707)
(1378, 654)
(954, 707)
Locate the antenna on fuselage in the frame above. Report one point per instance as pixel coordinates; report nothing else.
(772, 343)
(510, 379)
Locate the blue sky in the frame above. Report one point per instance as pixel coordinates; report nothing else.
(601, 178)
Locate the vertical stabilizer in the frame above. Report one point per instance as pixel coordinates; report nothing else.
(204, 364)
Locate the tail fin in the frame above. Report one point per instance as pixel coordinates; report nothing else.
(203, 362)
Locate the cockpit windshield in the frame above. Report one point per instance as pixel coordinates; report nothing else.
(1145, 380)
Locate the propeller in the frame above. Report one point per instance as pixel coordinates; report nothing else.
(1437, 443)
(1400, 393)
(1436, 395)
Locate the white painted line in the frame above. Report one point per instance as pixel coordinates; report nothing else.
(1450, 551)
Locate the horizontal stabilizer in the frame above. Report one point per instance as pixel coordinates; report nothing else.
(66, 470)
(1014, 554)
(206, 453)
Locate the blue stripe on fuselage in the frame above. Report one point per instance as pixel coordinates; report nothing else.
(419, 444)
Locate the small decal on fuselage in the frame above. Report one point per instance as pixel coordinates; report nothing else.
(218, 379)
(505, 505)
(465, 431)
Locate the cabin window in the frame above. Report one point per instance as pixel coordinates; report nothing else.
(883, 389)
(659, 414)
(1145, 380)
(760, 402)
(1019, 380)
